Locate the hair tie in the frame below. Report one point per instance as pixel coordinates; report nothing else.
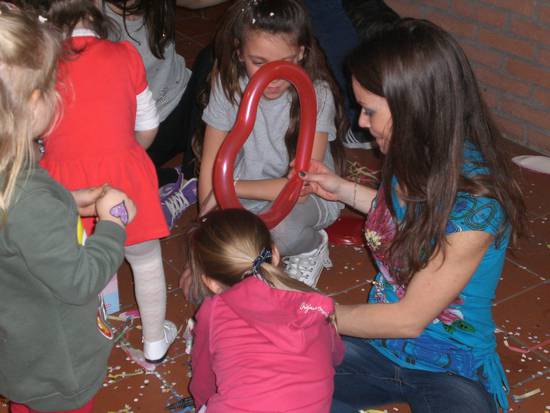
(265, 255)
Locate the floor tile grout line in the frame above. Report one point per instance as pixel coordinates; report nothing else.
(172, 266)
(346, 290)
(520, 293)
(523, 267)
(538, 374)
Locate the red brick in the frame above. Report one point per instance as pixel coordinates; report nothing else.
(526, 71)
(538, 118)
(542, 96)
(442, 4)
(544, 57)
(480, 54)
(492, 78)
(483, 14)
(506, 43)
(539, 140)
(525, 7)
(491, 98)
(531, 30)
(455, 26)
(406, 8)
(543, 13)
(510, 127)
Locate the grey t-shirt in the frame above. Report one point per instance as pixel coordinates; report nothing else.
(167, 77)
(264, 154)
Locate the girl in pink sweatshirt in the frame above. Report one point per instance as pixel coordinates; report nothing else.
(263, 342)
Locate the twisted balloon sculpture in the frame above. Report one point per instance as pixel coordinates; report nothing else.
(224, 188)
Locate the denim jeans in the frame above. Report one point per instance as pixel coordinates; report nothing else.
(366, 378)
(337, 37)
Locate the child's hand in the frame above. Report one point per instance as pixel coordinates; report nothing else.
(115, 206)
(85, 200)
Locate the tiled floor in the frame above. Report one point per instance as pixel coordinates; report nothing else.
(521, 309)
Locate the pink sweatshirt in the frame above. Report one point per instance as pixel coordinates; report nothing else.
(258, 349)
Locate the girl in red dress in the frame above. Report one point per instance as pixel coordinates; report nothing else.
(108, 121)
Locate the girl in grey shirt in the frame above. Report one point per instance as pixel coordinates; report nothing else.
(252, 34)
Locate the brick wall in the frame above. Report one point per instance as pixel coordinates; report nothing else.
(508, 44)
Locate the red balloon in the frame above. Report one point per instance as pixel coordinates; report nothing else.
(224, 187)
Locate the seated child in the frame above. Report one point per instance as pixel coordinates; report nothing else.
(263, 341)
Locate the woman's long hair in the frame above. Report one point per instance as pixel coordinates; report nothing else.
(159, 18)
(436, 108)
(289, 18)
(223, 245)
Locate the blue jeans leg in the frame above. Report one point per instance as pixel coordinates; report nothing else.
(366, 378)
(335, 32)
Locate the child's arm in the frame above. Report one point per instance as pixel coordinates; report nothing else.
(203, 381)
(261, 189)
(147, 118)
(146, 137)
(268, 189)
(43, 229)
(213, 139)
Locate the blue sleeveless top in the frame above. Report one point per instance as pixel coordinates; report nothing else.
(461, 339)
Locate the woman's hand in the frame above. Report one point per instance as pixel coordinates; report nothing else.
(322, 181)
(85, 199)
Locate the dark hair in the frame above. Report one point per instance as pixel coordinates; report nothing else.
(287, 17)
(159, 19)
(65, 14)
(369, 16)
(223, 245)
(436, 108)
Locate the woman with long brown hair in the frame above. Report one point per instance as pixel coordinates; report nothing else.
(438, 228)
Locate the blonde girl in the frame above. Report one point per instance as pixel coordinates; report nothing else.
(53, 355)
(264, 342)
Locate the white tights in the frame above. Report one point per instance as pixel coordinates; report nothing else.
(145, 259)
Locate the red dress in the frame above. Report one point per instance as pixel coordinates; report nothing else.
(94, 141)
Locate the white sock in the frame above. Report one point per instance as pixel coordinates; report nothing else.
(145, 259)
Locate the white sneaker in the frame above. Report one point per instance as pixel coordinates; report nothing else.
(358, 139)
(155, 351)
(307, 267)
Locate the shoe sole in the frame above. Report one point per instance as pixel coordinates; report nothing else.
(160, 360)
(359, 145)
(157, 361)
